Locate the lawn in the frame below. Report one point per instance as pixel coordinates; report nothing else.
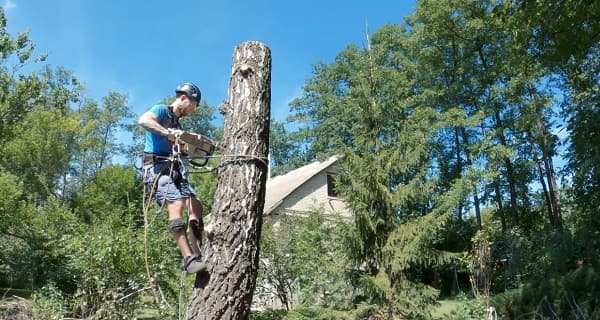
(445, 307)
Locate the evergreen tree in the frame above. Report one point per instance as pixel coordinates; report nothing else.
(368, 107)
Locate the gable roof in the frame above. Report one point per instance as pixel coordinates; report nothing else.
(278, 188)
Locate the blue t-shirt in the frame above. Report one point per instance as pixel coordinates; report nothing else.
(156, 143)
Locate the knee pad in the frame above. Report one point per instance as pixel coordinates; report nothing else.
(196, 226)
(176, 225)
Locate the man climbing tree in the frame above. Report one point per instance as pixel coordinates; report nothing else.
(165, 176)
(225, 290)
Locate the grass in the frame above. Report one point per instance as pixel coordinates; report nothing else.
(445, 307)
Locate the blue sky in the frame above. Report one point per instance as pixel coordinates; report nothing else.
(146, 48)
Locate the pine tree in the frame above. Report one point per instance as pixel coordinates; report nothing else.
(368, 108)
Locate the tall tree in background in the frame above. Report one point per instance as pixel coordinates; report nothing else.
(567, 34)
(37, 129)
(285, 151)
(19, 92)
(369, 107)
(447, 54)
(97, 141)
(100, 125)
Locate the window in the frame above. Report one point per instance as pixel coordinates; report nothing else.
(331, 189)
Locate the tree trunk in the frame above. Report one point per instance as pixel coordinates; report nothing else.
(512, 189)
(459, 168)
(476, 203)
(555, 218)
(231, 253)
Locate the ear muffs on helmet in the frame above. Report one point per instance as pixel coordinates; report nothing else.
(190, 90)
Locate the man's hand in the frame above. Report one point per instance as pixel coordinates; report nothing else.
(174, 134)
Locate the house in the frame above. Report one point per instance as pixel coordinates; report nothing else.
(305, 189)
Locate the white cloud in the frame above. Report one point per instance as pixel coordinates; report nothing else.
(9, 5)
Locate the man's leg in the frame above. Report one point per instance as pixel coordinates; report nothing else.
(177, 226)
(196, 224)
(191, 263)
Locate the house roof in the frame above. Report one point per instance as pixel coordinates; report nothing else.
(278, 188)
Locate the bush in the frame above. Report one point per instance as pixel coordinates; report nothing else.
(469, 309)
(269, 314)
(317, 313)
(576, 293)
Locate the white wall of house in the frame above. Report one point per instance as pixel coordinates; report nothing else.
(313, 195)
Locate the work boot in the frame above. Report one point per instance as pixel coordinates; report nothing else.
(192, 264)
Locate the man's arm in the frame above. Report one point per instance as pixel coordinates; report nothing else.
(149, 121)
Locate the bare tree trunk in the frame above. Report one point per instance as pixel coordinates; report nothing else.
(476, 203)
(510, 176)
(547, 159)
(231, 254)
(497, 191)
(459, 209)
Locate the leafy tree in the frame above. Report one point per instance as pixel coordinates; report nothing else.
(12, 213)
(369, 107)
(319, 246)
(101, 126)
(286, 154)
(292, 248)
(19, 93)
(42, 151)
(279, 267)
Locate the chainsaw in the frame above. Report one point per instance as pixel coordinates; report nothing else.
(196, 146)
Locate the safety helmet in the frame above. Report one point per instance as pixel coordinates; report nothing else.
(190, 90)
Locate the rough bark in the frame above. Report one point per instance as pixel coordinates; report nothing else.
(231, 253)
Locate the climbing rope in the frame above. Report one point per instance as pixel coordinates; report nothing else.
(180, 302)
(231, 158)
(147, 199)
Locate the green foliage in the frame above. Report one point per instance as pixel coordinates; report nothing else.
(109, 269)
(269, 314)
(205, 184)
(306, 313)
(18, 93)
(12, 203)
(290, 254)
(36, 254)
(469, 309)
(285, 152)
(114, 193)
(41, 152)
(573, 295)
(48, 303)
(98, 142)
(581, 108)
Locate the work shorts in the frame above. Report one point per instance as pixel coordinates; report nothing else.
(166, 182)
